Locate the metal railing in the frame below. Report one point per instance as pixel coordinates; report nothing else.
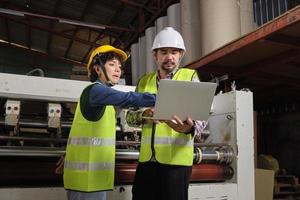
(266, 10)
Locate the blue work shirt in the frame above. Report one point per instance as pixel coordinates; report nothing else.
(102, 95)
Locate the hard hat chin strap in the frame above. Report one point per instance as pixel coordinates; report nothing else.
(108, 81)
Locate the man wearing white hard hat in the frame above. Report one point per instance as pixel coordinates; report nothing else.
(166, 153)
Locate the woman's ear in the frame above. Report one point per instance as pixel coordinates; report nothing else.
(97, 70)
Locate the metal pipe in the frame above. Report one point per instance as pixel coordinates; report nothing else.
(121, 154)
(209, 155)
(36, 124)
(44, 152)
(272, 8)
(255, 13)
(121, 143)
(64, 20)
(124, 154)
(33, 124)
(261, 12)
(210, 144)
(33, 139)
(222, 155)
(267, 10)
(279, 7)
(285, 6)
(125, 143)
(44, 124)
(39, 70)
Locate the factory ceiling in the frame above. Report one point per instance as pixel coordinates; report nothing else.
(70, 29)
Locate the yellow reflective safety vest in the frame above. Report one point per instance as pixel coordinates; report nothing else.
(159, 140)
(90, 155)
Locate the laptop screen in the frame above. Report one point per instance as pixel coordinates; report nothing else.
(184, 99)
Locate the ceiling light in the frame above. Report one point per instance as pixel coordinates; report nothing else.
(11, 12)
(79, 23)
(60, 20)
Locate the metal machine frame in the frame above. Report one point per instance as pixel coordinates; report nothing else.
(230, 123)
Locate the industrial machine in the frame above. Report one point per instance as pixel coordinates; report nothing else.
(36, 115)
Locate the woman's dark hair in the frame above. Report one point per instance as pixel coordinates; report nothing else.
(101, 59)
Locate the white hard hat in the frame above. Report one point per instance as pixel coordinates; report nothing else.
(168, 37)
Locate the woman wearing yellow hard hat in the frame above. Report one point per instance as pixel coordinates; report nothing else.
(98, 56)
(90, 155)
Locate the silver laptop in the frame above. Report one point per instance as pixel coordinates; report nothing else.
(184, 99)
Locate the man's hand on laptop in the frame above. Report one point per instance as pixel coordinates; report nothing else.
(181, 126)
(148, 114)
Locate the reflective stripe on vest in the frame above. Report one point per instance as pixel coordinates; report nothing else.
(90, 154)
(91, 141)
(170, 147)
(86, 166)
(169, 141)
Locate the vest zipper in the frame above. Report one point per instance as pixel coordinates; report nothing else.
(152, 142)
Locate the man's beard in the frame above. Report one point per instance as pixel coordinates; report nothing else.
(168, 66)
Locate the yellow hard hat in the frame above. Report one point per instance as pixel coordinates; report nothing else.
(105, 49)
